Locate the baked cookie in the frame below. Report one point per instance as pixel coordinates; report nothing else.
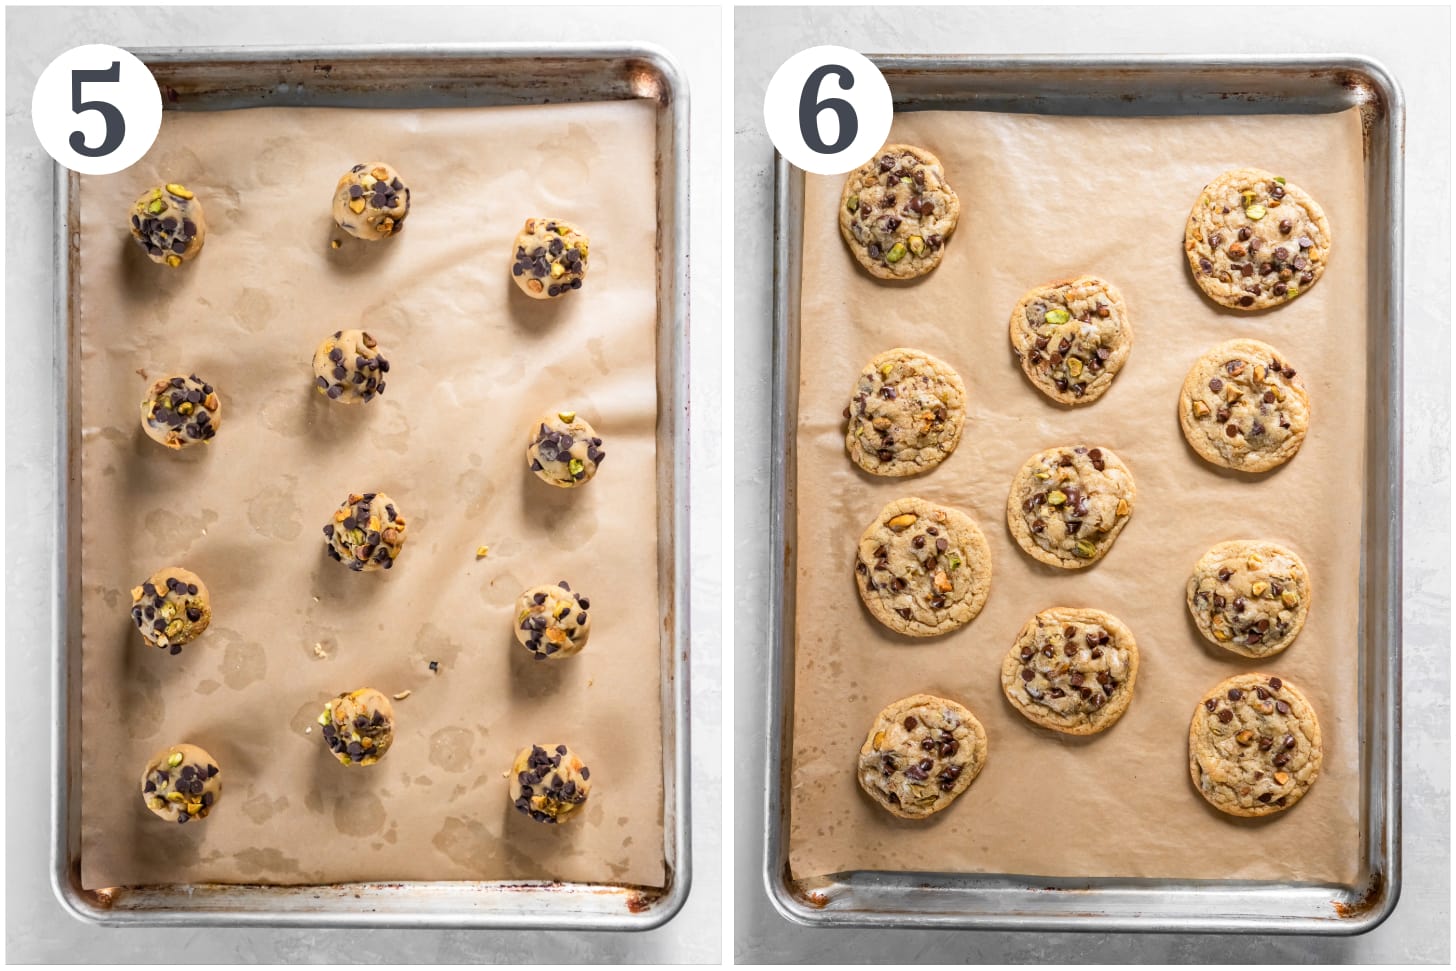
(1255, 241)
(1254, 746)
(358, 726)
(348, 367)
(1068, 504)
(549, 782)
(1243, 407)
(553, 622)
(181, 782)
(366, 532)
(180, 411)
(549, 258)
(171, 608)
(564, 450)
(371, 202)
(921, 752)
(1250, 596)
(1072, 669)
(167, 222)
(1072, 338)
(906, 413)
(923, 569)
(897, 213)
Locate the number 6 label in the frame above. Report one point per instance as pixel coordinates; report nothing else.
(828, 110)
(96, 109)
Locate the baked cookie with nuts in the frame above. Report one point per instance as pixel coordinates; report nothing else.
(179, 411)
(348, 367)
(371, 201)
(897, 213)
(1072, 338)
(181, 782)
(564, 450)
(358, 726)
(549, 258)
(1249, 596)
(1243, 406)
(365, 533)
(921, 753)
(923, 569)
(905, 414)
(1072, 669)
(549, 783)
(552, 622)
(1255, 241)
(1068, 504)
(167, 223)
(1254, 746)
(171, 608)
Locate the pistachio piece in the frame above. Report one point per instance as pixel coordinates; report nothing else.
(173, 259)
(1220, 634)
(902, 521)
(853, 204)
(917, 245)
(954, 561)
(1042, 475)
(1289, 598)
(896, 254)
(1254, 561)
(1123, 508)
(879, 739)
(1291, 293)
(566, 416)
(156, 206)
(1085, 549)
(1248, 196)
(356, 206)
(1259, 588)
(180, 191)
(481, 551)
(174, 760)
(575, 467)
(885, 369)
(1255, 212)
(1056, 497)
(1074, 366)
(1279, 179)
(1200, 410)
(557, 271)
(1057, 315)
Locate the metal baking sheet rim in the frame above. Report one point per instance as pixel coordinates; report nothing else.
(1011, 902)
(645, 71)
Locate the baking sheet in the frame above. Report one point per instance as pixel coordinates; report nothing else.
(1045, 197)
(473, 362)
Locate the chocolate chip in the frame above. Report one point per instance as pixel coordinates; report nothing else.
(1225, 716)
(910, 723)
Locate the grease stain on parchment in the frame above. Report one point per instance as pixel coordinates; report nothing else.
(450, 748)
(274, 512)
(261, 808)
(359, 815)
(476, 490)
(433, 644)
(281, 412)
(254, 309)
(243, 662)
(144, 703)
(176, 530)
(264, 860)
(206, 687)
(466, 843)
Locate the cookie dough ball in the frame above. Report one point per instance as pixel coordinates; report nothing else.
(180, 411)
(349, 367)
(1068, 504)
(366, 532)
(565, 450)
(906, 413)
(1254, 746)
(921, 753)
(370, 201)
(1243, 407)
(549, 783)
(167, 222)
(171, 608)
(1249, 596)
(897, 213)
(1072, 670)
(358, 726)
(552, 621)
(1254, 241)
(1072, 338)
(549, 258)
(181, 782)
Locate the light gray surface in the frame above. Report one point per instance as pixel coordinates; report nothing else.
(37, 929)
(1414, 45)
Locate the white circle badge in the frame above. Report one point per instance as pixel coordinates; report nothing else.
(96, 109)
(828, 109)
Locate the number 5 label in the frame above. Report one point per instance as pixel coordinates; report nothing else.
(96, 109)
(828, 110)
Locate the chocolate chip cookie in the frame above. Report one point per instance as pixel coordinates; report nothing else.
(181, 782)
(179, 411)
(921, 753)
(1072, 669)
(1072, 338)
(1250, 596)
(167, 223)
(906, 413)
(1068, 504)
(923, 569)
(171, 608)
(1254, 746)
(897, 213)
(1243, 407)
(1255, 241)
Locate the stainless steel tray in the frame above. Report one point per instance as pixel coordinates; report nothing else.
(1137, 86)
(215, 79)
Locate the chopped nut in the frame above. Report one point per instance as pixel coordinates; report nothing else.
(1220, 634)
(917, 245)
(1074, 367)
(1254, 561)
(1123, 508)
(1289, 598)
(175, 759)
(942, 582)
(1281, 778)
(1057, 315)
(1056, 497)
(1200, 410)
(1245, 737)
(357, 205)
(179, 191)
(896, 254)
(879, 739)
(853, 204)
(1085, 549)
(902, 521)
(1255, 212)
(1259, 588)
(481, 551)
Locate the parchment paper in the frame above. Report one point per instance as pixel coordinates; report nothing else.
(1044, 198)
(473, 363)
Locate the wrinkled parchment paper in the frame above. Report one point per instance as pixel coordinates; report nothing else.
(1046, 198)
(473, 363)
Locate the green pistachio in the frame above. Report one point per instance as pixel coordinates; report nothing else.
(1279, 179)
(574, 466)
(1056, 497)
(566, 416)
(1255, 212)
(896, 254)
(853, 204)
(953, 561)
(1085, 549)
(1057, 315)
(175, 759)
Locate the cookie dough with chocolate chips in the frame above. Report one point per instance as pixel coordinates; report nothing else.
(1243, 407)
(349, 367)
(371, 201)
(549, 258)
(549, 782)
(180, 411)
(181, 782)
(897, 213)
(552, 622)
(1250, 596)
(1072, 338)
(358, 726)
(1068, 504)
(923, 569)
(167, 223)
(1255, 241)
(171, 608)
(564, 450)
(366, 532)
(906, 413)
(921, 753)
(1254, 746)
(1072, 669)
